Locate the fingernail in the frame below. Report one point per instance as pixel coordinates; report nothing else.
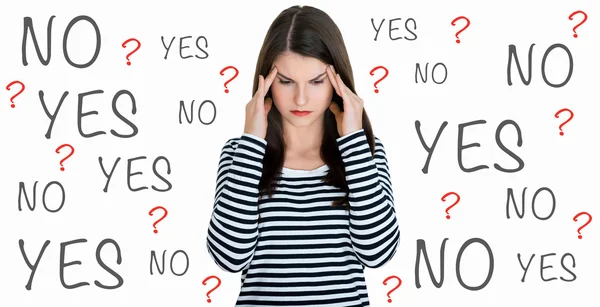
(331, 68)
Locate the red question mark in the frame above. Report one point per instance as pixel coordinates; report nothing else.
(397, 286)
(213, 289)
(17, 94)
(453, 23)
(164, 215)
(584, 19)
(236, 74)
(589, 220)
(454, 204)
(58, 151)
(134, 50)
(556, 115)
(386, 74)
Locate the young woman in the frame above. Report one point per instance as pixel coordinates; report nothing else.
(304, 199)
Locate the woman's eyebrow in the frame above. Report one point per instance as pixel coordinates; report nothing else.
(313, 79)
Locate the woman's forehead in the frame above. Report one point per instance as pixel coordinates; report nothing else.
(297, 67)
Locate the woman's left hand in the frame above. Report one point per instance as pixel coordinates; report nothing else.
(350, 120)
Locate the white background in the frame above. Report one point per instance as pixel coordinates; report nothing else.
(476, 89)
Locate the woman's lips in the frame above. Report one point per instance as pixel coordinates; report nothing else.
(301, 113)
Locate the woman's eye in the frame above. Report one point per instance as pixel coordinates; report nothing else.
(288, 82)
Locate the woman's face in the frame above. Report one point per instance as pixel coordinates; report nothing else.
(301, 84)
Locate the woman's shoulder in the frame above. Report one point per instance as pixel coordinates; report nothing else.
(232, 142)
(378, 141)
(379, 148)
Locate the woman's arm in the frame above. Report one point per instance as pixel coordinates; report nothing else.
(373, 225)
(233, 228)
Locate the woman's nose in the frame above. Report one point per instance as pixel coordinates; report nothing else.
(300, 97)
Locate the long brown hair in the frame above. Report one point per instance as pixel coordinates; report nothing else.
(310, 32)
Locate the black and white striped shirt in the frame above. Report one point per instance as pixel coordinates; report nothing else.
(304, 251)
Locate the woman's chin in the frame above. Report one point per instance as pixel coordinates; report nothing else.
(301, 121)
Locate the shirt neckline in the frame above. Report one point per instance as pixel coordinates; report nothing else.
(319, 169)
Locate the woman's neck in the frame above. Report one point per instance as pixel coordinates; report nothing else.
(303, 139)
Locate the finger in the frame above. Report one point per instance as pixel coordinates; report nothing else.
(331, 76)
(340, 85)
(269, 80)
(257, 90)
(261, 84)
(343, 89)
(350, 96)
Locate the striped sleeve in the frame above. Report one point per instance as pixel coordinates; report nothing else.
(374, 227)
(233, 228)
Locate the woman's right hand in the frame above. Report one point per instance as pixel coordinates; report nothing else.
(258, 108)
